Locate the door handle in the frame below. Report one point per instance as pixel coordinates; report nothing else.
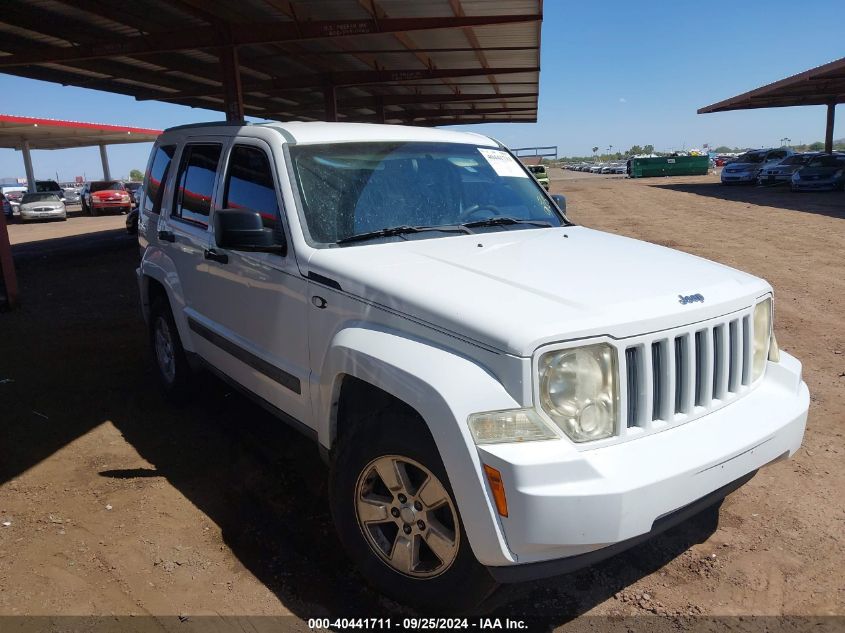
(166, 236)
(216, 256)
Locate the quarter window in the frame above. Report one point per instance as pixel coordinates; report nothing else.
(157, 177)
(250, 184)
(195, 184)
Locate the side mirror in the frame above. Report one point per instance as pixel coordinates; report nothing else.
(560, 201)
(244, 230)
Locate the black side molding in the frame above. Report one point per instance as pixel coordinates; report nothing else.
(549, 568)
(326, 281)
(259, 364)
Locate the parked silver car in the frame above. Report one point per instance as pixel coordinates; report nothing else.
(42, 206)
(745, 168)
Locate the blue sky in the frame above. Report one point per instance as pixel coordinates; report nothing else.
(618, 72)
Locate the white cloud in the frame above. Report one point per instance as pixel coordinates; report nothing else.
(623, 100)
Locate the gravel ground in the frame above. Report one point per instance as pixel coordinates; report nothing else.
(112, 502)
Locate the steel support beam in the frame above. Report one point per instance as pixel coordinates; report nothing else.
(337, 79)
(8, 278)
(828, 132)
(242, 34)
(330, 103)
(27, 165)
(233, 94)
(104, 158)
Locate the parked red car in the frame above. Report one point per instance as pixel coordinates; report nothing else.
(101, 196)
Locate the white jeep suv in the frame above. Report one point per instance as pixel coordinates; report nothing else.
(499, 394)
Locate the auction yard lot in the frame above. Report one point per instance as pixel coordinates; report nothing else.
(118, 503)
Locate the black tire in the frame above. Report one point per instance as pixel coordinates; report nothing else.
(93, 211)
(397, 431)
(177, 386)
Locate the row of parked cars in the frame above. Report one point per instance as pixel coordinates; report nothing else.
(812, 171)
(613, 167)
(49, 200)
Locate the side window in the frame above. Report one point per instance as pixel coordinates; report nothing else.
(195, 182)
(156, 178)
(250, 184)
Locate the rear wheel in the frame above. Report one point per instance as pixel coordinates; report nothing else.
(171, 365)
(396, 515)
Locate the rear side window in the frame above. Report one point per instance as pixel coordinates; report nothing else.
(157, 177)
(195, 182)
(250, 184)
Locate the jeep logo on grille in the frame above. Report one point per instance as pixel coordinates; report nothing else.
(685, 299)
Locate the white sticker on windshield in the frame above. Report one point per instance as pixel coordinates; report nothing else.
(503, 163)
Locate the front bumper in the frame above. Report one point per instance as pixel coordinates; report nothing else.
(43, 215)
(111, 205)
(739, 177)
(586, 500)
(816, 185)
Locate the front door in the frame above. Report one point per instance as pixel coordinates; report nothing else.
(255, 303)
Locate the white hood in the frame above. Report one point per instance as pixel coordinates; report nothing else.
(517, 290)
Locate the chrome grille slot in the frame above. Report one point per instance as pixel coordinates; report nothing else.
(657, 380)
(735, 368)
(699, 366)
(675, 376)
(632, 358)
(680, 374)
(746, 350)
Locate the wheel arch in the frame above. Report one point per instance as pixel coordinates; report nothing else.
(376, 367)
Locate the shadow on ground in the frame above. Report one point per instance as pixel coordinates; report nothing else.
(829, 203)
(75, 355)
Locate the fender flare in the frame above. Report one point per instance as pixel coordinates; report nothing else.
(443, 388)
(156, 265)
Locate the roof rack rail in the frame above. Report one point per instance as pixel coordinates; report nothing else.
(188, 126)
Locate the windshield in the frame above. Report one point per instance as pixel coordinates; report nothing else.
(794, 160)
(40, 197)
(112, 185)
(537, 169)
(827, 161)
(750, 158)
(350, 189)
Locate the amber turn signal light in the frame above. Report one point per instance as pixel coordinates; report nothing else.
(497, 486)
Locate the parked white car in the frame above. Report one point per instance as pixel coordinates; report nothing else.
(499, 394)
(42, 206)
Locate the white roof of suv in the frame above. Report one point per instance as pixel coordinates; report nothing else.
(331, 132)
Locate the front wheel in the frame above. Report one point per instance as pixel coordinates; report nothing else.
(397, 518)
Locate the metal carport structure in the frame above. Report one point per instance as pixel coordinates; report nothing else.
(430, 62)
(824, 85)
(28, 133)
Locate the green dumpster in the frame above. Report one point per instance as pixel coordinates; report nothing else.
(670, 166)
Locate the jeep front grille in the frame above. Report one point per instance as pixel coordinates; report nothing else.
(677, 375)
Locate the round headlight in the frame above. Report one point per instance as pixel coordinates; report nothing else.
(578, 390)
(762, 338)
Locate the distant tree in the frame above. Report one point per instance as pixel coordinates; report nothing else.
(648, 149)
(636, 149)
(722, 149)
(136, 174)
(817, 146)
(595, 149)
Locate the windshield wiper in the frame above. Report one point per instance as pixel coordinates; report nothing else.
(504, 221)
(402, 230)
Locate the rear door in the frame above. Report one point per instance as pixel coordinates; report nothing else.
(184, 235)
(254, 304)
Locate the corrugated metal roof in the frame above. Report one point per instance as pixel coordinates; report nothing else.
(818, 86)
(413, 57)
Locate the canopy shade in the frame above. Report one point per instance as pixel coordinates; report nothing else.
(818, 86)
(429, 62)
(56, 134)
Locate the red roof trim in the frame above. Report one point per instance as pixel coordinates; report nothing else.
(78, 125)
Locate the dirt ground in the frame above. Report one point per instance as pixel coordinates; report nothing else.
(112, 502)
